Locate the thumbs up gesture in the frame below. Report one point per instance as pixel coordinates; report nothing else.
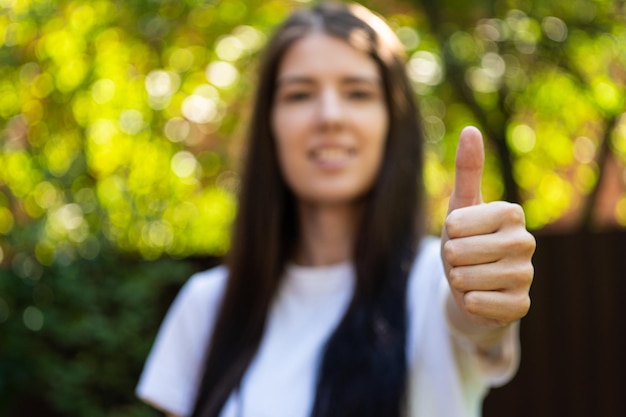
(486, 252)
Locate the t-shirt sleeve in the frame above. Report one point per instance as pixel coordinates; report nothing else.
(174, 366)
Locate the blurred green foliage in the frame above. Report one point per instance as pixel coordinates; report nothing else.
(546, 82)
(78, 347)
(121, 125)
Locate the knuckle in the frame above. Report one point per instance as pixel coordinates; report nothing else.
(519, 305)
(513, 245)
(528, 304)
(451, 253)
(524, 305)
(531, 243)
(522, 275)
(521, 243)
(453, 224)
(513, 213)
(528, 275)
(472, 303)
(457, 279)
(527, 241)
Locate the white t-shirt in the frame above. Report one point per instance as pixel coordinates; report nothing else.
(447, 377)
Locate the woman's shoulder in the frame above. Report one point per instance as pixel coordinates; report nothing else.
(208, 280)
(173, 367)
(205, 287)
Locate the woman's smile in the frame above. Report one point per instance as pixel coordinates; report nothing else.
(332, 157)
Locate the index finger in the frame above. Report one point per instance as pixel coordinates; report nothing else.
(483, 219)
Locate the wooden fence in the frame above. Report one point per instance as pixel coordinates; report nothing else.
(574, 338)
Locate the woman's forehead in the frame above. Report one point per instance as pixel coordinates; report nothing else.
(321, 55)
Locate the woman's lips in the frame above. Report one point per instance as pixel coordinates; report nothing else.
(332, 156)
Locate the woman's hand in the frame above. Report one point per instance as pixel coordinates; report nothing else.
(486, 252)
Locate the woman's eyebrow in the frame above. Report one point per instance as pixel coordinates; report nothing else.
(294, 79)
(373, 80)
(352, 79)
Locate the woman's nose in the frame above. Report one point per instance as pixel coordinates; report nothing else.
(330, 110)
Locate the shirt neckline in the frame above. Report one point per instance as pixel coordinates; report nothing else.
(319, 280)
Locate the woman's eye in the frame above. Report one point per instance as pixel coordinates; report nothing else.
(297, 96)
(360, 94)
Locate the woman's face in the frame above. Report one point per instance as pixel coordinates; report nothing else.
(329, 119)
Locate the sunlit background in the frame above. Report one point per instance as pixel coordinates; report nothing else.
(121, 128)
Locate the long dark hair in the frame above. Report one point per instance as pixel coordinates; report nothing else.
(363, 371)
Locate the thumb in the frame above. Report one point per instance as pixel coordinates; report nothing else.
(470, 158)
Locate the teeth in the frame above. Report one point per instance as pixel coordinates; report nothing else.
(331, 154)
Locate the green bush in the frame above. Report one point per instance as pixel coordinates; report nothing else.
(76, 337)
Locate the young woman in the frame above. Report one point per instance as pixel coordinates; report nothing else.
(331, 302)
